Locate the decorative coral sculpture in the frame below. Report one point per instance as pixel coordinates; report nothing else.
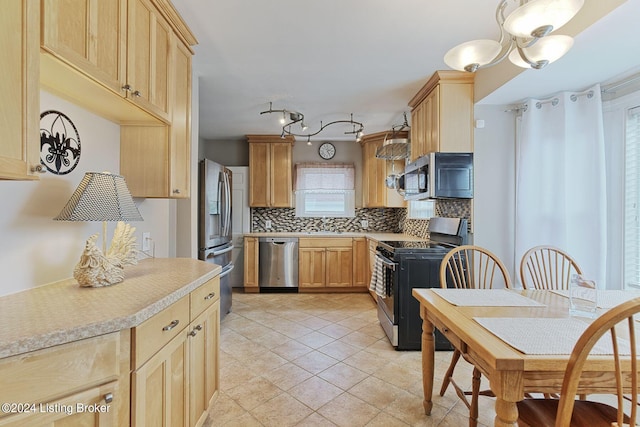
(95, 269)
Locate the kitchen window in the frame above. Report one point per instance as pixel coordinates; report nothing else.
(632, 201)
(325, 190)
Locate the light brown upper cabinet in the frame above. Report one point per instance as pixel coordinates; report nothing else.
(148, 63)
(20, 90)
(375, 193)
(442, 114)
(155, 159)
(89, 34)
(270, 171)
(123, 45)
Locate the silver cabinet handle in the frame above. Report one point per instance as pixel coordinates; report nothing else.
(176, 191)
(211, 295)
(195, 330)
(108, 398)
(38, 168)
(137, 93)
(171, 325)
(126, 88)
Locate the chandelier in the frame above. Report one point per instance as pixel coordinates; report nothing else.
(524, 37)
(290, 118)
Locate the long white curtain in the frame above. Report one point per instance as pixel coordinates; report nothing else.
(560, 179)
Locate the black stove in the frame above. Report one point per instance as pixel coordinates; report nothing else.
(408, 264)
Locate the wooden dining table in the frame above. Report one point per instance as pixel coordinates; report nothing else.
(510, 372)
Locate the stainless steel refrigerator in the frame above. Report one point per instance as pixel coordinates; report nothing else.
(214, 217)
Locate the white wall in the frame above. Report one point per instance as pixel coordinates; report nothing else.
(35, 249)
(494, 183)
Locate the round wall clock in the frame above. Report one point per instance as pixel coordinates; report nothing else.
(59, 143)
(327, 151)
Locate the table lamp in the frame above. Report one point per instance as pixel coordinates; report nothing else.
(102, 196)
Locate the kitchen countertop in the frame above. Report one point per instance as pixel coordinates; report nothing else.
(375, 235)
(63, 312)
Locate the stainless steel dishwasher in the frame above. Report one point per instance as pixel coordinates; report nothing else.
(278, 262)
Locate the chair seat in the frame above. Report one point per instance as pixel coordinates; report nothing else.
(542, 413)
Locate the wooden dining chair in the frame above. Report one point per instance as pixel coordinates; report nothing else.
(616, 325)
(547, 267)
(470, 267)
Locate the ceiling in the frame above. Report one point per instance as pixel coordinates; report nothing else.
(333, 58)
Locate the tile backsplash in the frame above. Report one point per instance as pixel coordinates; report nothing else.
(387, 220)
(285, 220)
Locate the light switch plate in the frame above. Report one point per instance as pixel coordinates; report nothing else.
(364, 223)
(267, 224)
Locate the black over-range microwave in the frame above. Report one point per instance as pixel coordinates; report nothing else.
(439, 176)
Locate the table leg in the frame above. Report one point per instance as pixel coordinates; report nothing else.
(428, 360)
(506, 413)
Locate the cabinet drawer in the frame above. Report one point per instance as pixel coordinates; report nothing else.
(323, 242)
(46, 374)
(151, 335)
(203, 297)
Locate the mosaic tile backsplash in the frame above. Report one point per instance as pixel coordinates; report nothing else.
(285, 220)
(388, 220)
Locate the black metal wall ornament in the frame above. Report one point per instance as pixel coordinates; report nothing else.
(59, 143)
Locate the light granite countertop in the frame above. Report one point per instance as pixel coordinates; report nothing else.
(379, 236)
(63, 312)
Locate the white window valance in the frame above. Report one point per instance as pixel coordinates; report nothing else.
(325, 176)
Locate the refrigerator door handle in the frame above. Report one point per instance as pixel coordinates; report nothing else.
(214, 252)
(228, 202)
(227, 269)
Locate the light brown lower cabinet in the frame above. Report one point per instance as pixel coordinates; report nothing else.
(325, 263)
(251, 264)
(83, 383)
(179, 382)
(360, 262)
(163, 372)
(160, 387)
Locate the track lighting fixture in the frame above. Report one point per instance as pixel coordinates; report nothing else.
(297, 117)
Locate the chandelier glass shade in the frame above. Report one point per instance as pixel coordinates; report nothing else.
(548, 49)
(524, 36)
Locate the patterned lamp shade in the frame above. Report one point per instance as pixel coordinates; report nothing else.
(101, 196)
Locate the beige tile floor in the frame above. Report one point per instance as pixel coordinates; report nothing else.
(323, 360)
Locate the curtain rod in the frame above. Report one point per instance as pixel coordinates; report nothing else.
(613, 86)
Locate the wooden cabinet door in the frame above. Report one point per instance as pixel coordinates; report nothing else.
(159, 388)
(339, 267)
(280, 176)
(417, 132)
(204, 339)
(360, 262)
(251, 264)
(148, 58)
(144, 160)
(90, 35)
(64, 412)
(19, 88)
(180, 146)
(432, 121)
(259, 170)
(311, 267)
(371, 175)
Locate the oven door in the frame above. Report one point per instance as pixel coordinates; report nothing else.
(387, 306)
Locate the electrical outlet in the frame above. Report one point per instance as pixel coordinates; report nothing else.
(146, 241)
(364, 223)
(267, 224)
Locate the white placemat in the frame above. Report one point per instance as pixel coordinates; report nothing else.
(606, 298)
(545, 335)
(486, 298)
